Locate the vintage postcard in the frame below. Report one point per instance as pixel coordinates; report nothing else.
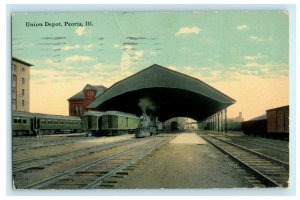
(150, 100)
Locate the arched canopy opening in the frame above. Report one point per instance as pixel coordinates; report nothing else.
(164, 93)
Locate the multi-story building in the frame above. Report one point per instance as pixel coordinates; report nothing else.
(79, 102)
(20, 85)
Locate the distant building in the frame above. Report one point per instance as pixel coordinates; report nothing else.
(79, 102)
(20, 85)
(235, 124)
(182, 123)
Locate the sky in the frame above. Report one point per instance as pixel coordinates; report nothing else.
(242, 54)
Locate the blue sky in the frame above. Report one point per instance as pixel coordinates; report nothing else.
(243, 54)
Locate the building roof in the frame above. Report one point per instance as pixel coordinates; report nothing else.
(111, 112)
(178, 93)
(79, 96)
(21, 61)
(260, 117)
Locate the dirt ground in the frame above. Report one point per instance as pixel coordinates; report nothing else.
(186, 162)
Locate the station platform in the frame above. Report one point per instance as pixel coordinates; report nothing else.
(187, 161)
(187, 138)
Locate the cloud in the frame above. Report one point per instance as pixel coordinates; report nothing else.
(77, 58)
(139, 54)
(256, 57)
(135, 38)
(174, 68)
(80, 31)
(261, 38)
(188, 30)
(242, 27)
(154, 53)
(70, 47)
(253, 64)
(130, 56)
(88, 46)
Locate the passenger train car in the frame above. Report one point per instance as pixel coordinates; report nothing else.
(109, 123)
(26, 123)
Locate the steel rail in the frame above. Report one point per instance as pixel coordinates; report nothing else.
(75, 153)
(62, 153)
(124, 165)
(284, 164)
(250, 142)
(64, 174)
(279, 145)
(266, 180)
(50, 145)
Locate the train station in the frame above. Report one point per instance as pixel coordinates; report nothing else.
(135, 108)
(151, 100)
(169, 93)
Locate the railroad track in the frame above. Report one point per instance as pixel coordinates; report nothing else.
(272, 149)
(48, 144)
(263, 144)
(271, 144)
(96, 172)
(37, 161)
(271, 172)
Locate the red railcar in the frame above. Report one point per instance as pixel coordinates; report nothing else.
(274, 124)
(278, 121)
(256, 126)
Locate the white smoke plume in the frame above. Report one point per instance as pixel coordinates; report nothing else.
(146, 104)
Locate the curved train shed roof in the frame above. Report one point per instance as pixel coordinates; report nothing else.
(172, 94)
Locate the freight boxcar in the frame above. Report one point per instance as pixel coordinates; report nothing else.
(274, 124)
(256, 126)
(278, 122)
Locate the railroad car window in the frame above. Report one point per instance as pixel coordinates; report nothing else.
(24, 121)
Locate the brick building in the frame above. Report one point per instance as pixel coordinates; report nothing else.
(20, 85)
(79, 102)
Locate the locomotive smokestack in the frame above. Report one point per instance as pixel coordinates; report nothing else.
(146, 104)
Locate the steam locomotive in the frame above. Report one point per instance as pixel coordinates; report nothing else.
(148, 126)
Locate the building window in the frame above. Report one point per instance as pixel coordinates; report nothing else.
(14, 104)
(23, 103)
(14, 93)
(14, 80)
(23, 80)
(23, 92)
(14, 67)
(80, 110)
(23, 69)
